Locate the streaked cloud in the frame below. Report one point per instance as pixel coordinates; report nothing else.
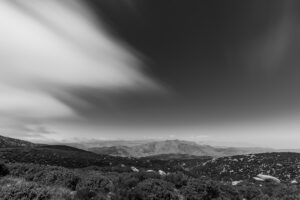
(51, 47)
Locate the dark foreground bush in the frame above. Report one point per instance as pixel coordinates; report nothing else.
(154, 189)
(129, 180)
(3, 170)
(46, 175)
(64, 178)
(87, 194)
(200, 189)
(19, 189)
(250, 191)
(179, 179)
(95, 182)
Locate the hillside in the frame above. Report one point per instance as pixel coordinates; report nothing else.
(61, 147)
(68, 173)
(19, 151)
(284, 165)
(76, 158)
(7, 142)
(175, 156)
(122, 151)
(58, 156)
(173, 147)
(207, 180)
(104, 143)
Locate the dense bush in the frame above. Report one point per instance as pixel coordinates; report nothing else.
(65, 178)
(179, 179)
(95, 182)
(3, 170)
(87, 194)
(250, 191)
(47, 175)
(200, 189)
(229, 192)
(281, 191)
(19, 189)
(155, 189)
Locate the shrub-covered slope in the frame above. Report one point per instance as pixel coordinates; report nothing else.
(41, 182)
(7, 142)
(285, 166)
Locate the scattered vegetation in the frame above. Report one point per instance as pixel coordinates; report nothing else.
(42, 182)
(68, 157)
(19, 189)
(64, 173)
(284, 166)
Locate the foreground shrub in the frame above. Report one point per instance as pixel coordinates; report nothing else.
(200, 189)
(154, 189)
(87, 194)
(281, 191)
(95, 182)
(129, 180)
(19, 189)
(46, 175)
(3, 170)
(229, 192)
(179, 179)
(250, 191)
(64, 178)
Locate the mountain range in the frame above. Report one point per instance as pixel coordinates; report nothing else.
(143, 148)
(153, 148)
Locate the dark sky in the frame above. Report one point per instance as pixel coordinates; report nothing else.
(194, 69)
(217, 57)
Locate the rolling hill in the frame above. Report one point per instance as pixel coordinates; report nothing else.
(170, 155)
(283, 165)
(7, 142)
(19, 151)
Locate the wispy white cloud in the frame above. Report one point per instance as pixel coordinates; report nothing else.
(83, 54)
(52, 45)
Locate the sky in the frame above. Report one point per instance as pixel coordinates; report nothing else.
(212, 71)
